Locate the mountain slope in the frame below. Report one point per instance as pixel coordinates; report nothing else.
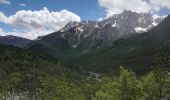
(135, 52)
(79, 38)
(14, 40)
(23, 71)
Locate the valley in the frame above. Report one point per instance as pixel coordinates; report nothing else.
(123, 57)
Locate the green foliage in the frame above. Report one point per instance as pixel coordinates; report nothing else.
(109, 91)
(131, 87)
(161, 69)
(150, 87)
(52, 89)
(36, 76)
(33, 73)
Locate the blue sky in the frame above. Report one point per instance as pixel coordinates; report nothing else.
(86, 9)
(32, 18)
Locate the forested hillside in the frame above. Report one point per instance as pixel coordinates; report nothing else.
(30, 75)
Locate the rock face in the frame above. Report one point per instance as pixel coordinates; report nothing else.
(131, 22)
(109, 29)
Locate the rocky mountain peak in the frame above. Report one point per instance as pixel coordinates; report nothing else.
(132, 22)
(109, 29)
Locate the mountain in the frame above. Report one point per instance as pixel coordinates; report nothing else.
(135, 52)
(14, 40)
(132, 22)
(109, 29)
(79, 38)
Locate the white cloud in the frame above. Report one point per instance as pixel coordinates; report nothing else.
(22, 4)
(30, 34)
(5, 2)
(100, 19)
(158, 4)
(117, 6)
(31, 24)
(146, 6)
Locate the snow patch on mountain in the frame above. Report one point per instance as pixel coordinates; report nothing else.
(75, 46)
(96, 26)
(115, 24)
(156, 16)
(140, 29)
(154, 23)
(157, 19)
(80, 29)
(111, 28)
